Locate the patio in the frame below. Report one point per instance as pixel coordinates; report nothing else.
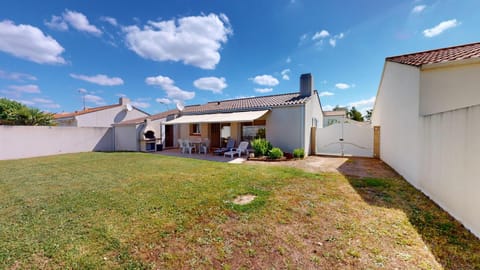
(210, 156)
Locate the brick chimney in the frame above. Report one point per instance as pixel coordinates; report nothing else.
(306, 85)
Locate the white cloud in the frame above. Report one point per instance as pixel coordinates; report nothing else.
(140, 104)
(326, 94)
(327, 108)
(110, 20)
(418, 9)
(214, 84)
(28, 42)
(362, 103)
(163, 101)
(285, 74)
(28, 88)
(343, 86)
(80, 22)
(95, 99)
(288, 60)
(25, 102)
(16, 76)
(168, 85)
(263, 90)
(57, 23)
(100, 79)
(333, 40)
(82, 90)
(321, 35)
(265, 80)
(194, 40)
(440, 28)
(46, 103)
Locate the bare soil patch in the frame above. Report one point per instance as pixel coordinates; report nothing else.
(244, 199)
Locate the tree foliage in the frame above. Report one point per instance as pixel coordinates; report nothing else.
(354, 114)
(15, 113)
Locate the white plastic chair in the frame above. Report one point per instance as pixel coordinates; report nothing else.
(188, 146)
(242, 148)
(205, 146)
(180, 145)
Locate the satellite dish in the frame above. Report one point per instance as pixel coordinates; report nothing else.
(129, 107)
(180, 106)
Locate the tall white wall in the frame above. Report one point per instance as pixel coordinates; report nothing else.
(284, 128)
(450, 163)
(33, 141)
(440, 88)
(313, 118)
(396, 111)
(126, 138)
(105, 118)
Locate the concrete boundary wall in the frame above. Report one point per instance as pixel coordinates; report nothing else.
(33, 141)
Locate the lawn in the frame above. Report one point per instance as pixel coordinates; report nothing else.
(143, 211)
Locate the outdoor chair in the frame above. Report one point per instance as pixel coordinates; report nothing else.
(180, 145)
(242, 148)
(205, 146)
(188, 146)
(230, 145)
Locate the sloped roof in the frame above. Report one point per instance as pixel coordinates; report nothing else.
(251, 103)
(232, 105)
(460, 52)
(335, 113)
(153, 117)
(87, 110)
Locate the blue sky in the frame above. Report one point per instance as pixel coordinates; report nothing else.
(158, 53)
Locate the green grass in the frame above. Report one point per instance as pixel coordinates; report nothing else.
(143, 211)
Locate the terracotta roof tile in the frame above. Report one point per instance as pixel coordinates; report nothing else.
(335, 113)
(461, 52)
(88, 110)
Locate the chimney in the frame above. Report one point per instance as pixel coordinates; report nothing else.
(124, 101)
(306, 85)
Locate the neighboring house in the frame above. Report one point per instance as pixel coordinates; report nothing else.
(333, 117)
(103, 116)
(285, 120)
(428, 112)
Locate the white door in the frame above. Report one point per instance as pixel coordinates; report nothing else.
(347, 138)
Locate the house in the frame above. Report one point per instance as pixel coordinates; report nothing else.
(103, 116)
(334, 117)
(285, 120)
(427, 113)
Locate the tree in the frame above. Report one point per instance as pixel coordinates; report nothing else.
(368, 116)
(355, 115)
(15, 113)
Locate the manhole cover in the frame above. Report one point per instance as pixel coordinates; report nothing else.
(244, 199)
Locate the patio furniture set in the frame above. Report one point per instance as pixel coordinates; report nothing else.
(202, 145)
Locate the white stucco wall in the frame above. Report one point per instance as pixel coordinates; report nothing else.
(313, 118)
(441, 86)
(105, 118)
(126, 138)
(33, 141)
(285, 127)
(396, 111)
(450, 163)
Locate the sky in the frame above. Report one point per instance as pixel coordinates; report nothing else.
(55, 54)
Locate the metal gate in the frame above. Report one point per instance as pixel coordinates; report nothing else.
(347, 138)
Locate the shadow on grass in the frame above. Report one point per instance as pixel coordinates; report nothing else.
(453, 246)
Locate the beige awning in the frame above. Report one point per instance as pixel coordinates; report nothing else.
(218, 117)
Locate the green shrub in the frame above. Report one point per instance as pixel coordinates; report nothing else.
(299, 153)
(261, 147)
(275, 153)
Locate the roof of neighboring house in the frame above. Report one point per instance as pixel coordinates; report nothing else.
(335, 113)
(153, 117)
(87, 110)
(461, 52)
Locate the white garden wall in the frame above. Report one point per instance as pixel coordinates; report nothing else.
(33, 141)
(450, 164)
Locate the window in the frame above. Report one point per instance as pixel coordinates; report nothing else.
(253, 130)
(195, 129)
